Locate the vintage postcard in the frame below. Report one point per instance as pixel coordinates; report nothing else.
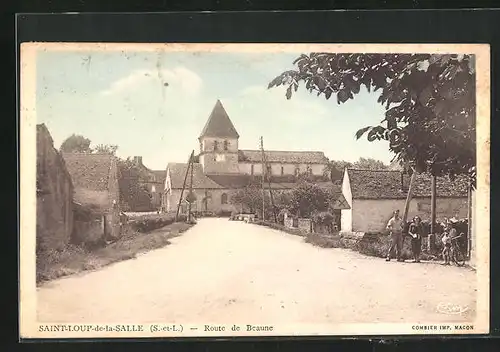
(211, 190)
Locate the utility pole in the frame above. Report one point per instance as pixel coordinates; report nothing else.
(183, 187)
(190, 186)
(409, 195)
(268, 180)
(432, 235)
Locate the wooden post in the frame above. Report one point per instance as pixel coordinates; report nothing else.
(409, 195)
(268, 180)
(433, 214)
(190, 186)
(183, 187)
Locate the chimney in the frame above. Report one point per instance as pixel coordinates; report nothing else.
(138, 160)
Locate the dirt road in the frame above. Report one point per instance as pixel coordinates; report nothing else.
(222, 270)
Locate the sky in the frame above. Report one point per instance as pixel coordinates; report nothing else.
(115, 97)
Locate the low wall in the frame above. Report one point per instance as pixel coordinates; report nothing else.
(304, 224)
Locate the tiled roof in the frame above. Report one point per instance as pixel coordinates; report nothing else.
(200, 180)
(219, 124)
(388, 184)
(160, 175)
(89, 171)
(274, 156)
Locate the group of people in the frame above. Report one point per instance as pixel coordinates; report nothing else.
(416, 232)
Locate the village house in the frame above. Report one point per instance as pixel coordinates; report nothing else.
(373, 195)
(54, 194)
(96, 196)
(221, 168)
(154, 183)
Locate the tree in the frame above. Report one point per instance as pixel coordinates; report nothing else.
(105, 149)
(334, 170)
(307, 198)
(76, 144)
(369, 164)
(250, 198)
(133, 194)
(430, 116)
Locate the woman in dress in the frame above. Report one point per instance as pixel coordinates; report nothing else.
(415, 231)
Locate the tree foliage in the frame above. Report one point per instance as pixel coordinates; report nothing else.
(308, 198)
(105, 149)
(133, 194)
(76, 144)
(334, 170)
(430, 114)
(369, 164)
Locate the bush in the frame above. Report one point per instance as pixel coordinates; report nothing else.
(325, 241)
(280, 227)
(150, 222)
(223, 213)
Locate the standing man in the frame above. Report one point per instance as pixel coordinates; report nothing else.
(395, 227)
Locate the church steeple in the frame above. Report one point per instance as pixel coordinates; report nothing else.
(219, 143)
(219, 124)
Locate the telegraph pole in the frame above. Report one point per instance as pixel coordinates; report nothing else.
(190, 186)
(183, 187)
(264, 160)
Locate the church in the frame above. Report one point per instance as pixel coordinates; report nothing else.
(221, 168)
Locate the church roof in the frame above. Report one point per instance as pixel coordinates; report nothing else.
(200, 180)
(219, 124)
(388, 184)
(275, 156)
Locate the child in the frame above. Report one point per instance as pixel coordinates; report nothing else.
(446, 239)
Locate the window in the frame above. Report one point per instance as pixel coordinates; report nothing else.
(251, 169)
(269, 170)
(216, 145)
(297, 171)
(282, 171)
(223, 198)
(225, 145)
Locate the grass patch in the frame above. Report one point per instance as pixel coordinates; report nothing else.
(275, 226)
(325, 241)
(52, 264)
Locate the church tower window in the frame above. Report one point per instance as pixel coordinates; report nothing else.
(225, 145)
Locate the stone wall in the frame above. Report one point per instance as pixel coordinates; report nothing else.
(214, 200)
(54, 218)
(370, 215)
(304, 224)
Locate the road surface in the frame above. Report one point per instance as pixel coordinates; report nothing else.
(220, 271)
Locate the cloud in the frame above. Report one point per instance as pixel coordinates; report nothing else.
(180, 78)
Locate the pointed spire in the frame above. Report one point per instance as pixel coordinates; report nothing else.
(219, 124)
